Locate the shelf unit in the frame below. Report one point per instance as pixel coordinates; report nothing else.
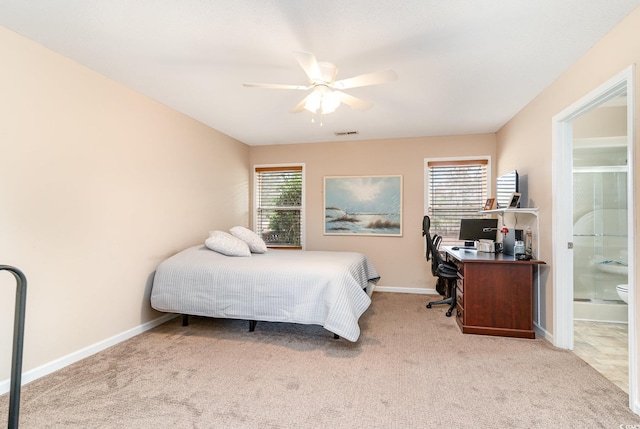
(533, 211)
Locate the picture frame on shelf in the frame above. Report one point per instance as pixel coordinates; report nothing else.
(490, 204)
(514, 200)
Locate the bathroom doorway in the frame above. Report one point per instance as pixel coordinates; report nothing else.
(600, 239)
(593, 229)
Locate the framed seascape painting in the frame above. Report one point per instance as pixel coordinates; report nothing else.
(363, 205)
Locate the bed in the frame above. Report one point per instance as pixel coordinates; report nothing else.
(330, 289)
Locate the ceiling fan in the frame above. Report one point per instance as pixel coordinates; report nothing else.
(326, 94)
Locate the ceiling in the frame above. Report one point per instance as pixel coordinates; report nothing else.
(463, 66)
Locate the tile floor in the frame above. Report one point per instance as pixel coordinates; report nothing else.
(605, 347)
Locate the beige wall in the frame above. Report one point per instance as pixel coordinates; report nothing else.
(525, 140)
(400, 260)
(98, 184)
(601, 122)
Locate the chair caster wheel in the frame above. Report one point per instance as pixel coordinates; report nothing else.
(448, 313)
(429, 305)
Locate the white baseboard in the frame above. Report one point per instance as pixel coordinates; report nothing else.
(542, 333)
(67, 360)
(394, 289)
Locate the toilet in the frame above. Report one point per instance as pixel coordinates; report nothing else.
(623, 292)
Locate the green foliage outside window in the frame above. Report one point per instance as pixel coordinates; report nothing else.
(284, 218)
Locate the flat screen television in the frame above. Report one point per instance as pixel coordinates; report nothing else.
(478, 229)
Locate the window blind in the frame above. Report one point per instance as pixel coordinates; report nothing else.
(456, 190)
(279, 205)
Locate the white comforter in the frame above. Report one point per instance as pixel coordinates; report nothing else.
(295, 286)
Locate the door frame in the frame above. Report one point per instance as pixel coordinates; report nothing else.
(562, 219)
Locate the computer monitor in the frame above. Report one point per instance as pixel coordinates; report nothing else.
(477, 229)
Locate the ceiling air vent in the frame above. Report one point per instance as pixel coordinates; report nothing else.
(345, 133)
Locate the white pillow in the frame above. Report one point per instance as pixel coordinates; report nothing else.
(256, 244)
(227, 244)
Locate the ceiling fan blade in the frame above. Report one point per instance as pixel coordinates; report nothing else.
(367, 79)
(351, 101)
(309, 64)
(275, 86)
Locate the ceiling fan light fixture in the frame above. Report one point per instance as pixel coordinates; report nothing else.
(330, 102)
(322, 100)
(313, 102)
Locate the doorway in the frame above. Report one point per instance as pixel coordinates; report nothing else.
(583, 241)
(600, 239)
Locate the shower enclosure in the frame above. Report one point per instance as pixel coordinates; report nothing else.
(600, 231)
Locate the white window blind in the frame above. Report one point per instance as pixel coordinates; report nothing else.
(455, 190)
(279, 208)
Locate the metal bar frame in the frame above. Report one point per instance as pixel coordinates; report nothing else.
(18, 344)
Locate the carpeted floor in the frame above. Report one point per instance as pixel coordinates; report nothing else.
(411, 368)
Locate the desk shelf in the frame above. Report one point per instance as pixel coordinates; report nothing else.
(532, 211)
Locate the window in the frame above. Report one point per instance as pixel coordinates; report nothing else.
(279, 213)
(454, 189)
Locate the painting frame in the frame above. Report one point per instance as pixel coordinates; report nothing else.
(367, 205)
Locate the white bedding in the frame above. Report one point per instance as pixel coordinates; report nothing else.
(295, 286)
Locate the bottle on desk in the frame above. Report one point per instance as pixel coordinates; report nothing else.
(518, 249)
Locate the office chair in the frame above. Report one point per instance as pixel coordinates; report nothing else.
(436, 241)
(447, 272)
(441, 287)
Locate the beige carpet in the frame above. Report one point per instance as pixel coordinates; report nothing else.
(411, 368)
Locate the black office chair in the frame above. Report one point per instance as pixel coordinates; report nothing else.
(447, 272)
(436, 241)
(441, 286)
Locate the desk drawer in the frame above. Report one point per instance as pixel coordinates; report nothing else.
(459, 314)
(460, 297)
(460, 285)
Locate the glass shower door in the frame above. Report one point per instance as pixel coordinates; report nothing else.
(600, 224)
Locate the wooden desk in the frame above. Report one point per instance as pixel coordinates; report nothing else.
(495, 296)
